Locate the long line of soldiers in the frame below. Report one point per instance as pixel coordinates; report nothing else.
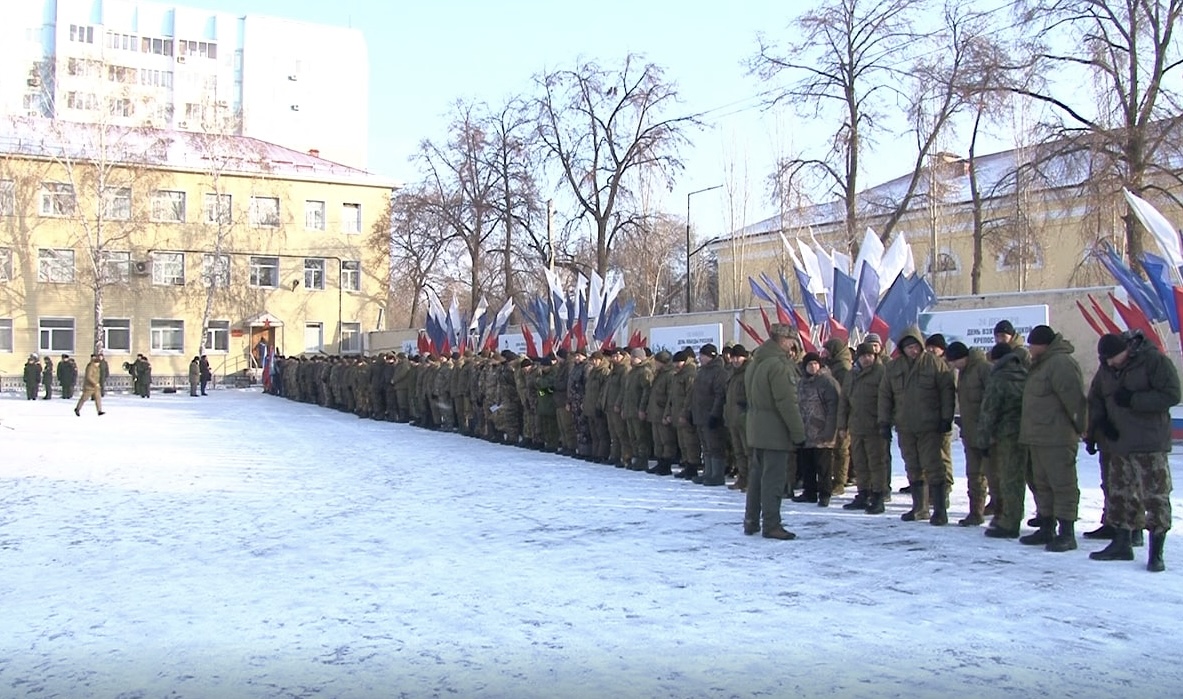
(649, 412)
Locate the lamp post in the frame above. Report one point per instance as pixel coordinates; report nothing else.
(688, 253)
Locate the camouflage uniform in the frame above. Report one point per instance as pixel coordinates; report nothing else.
(634, 401)
(735, 409)
(576, 390)
(621, 451)
(597, 374)
(679, 414)
(998, 432)
(665, 434)
(839, 362)
(562, 376)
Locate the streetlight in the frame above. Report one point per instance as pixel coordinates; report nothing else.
(688, 252)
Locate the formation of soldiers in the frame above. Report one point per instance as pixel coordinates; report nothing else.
(1022, 414)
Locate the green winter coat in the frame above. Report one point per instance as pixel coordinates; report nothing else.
(1150, 377)
(1002, 402)
(593, 391)
(917, 395)
(971, 389)
(838, 361)
(635, 389)
(614, 389)
(659, 392)
(1054, 403)
(858, 406)
(735, 406)
(774, 418)
(680, 387)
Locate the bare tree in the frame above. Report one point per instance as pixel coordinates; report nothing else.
(846, 64)
(601, 126)
(1132, 116)
(417, 239)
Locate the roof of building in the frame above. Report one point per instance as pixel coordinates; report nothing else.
(171, 149)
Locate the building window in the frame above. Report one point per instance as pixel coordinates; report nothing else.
(314, 215)
(124, 75)
(56, 334)
(265, 272)
(120, 107)
(946, 264)
(55, 266)
(117, 203)
(314, 274)
(1014, 255)
(314, 337)
(82, 34)
(265, 212)
(160, 47)
(5, 264)
(168, 206)
(116, 267)
(351, 275)
(201, 49)
(6, 335)
(168, 268)
(215, 270)
(7, 198)
(351, 218)
(218, 209)
(168, 336)
(350, 338)
(57, 199)
(82, 101)
(217, 336)
(117, 335)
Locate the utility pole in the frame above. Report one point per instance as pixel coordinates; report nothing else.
(688, 251)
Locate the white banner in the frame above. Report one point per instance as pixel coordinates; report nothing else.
(975, 327)
(674, 338)
(515, 342)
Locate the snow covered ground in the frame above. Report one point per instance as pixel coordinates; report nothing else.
(242, 545)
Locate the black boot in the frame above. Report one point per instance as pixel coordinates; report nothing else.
(859, 502)
(689, 472)
(1154, 562)
(939, 496)
(1119, 548)
(1065, 540)
(1136, 538)
(1102, 532)
(875, 504)
(1043, 536)
(919, 509)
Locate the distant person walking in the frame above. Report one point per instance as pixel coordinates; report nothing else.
(205, 373)
(32, 377)
(194, 376)
(91, 386)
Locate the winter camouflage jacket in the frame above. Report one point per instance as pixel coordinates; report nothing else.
(858, 406)
(593, 389)
(659, 392)
(838, 360)
(917, 395)
(971, 389)
(1150, 377)
(1002, 403)
(635, 391)
(818, 397)
(774, 418)
(680, 391)
(1054, 404)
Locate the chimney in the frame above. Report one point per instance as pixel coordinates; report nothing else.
(314, 152)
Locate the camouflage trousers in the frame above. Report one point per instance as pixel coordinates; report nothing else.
(600, 436)
(566, 423)
(583, 435)
(640, 434)
(689, 446)
(739, 450)
(1010, 460)
(1139, 491)
(665, 441)
(621, 449)
(977, 483)
(841, 463)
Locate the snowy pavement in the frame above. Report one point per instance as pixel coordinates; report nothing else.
(242, 545)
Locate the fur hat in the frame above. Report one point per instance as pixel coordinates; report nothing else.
(739, 350)
(865, 348)
(811, 357)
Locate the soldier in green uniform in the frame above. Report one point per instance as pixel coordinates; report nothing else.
(679, 415)
(735, 409)
(836, 356)
(545, 376)
(665, 436)
(621, 448)
(634, 402)
(562, 375)
(998, 435)
(972, 372)
(593, 406)
(858, 416)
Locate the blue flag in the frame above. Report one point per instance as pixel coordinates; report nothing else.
(813, 308)
(868, 297)
(1138, 290)
(1158, 271)
(845, 306)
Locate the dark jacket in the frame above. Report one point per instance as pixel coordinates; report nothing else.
(1054, 403)
(67, 373)
(917, 395)
(774, 417)
(838, 361)
(709, 393)
(818, 397)
(735, 405)
(1153, 386)
(32, 373)
(858, 406)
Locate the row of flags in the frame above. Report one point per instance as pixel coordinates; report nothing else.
(1156, 299)
(841, 297)
(592, 314)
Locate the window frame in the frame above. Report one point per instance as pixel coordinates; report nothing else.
(116, 201)
(6, 336)
(213, 334)
(157, 335)
(208, 260)
(7, 197)
(351, 221)
(354, 273)
(258, 263)
(45, 273)
(320, 332)
(124, 325)
(57, 200)
(224, 215)
(162, 204)
(164, 259)
(257, 218)
(317, 269)
(351, 331)
(5, 265)
(116, 266)
(51, 345)
(309, 212)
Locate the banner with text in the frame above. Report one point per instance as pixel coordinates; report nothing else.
(675, 337)
(975, 327)
(515, 342)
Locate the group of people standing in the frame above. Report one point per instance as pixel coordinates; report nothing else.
(40, 375)
(805, 425)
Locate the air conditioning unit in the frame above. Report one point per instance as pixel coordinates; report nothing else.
(34, 81)
(141, 268)
(295, 107)
(293, 77)
(180, 59)
(182, 124)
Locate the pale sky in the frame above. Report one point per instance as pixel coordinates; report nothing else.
(426, 55)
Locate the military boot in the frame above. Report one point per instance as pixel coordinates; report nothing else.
(1102, 532)
(1119, 548)
(1154, 562)
(638, 464)
(919, 509)
(1136, 538)
(716, 468)
(875, 504)
(741, 482)
(859, 502)
(939, 494)
(1065, 540)
(663, 468)
(689, 472)
(976, 514)
(1042, 536)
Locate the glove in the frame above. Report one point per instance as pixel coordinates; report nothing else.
(1090, 446)
(714, 423)
(1123, 397)
(885, 432)
(947, 427)
(1110, 431)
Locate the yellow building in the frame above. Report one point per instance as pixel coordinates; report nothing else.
(177, 239)
(1042, 217)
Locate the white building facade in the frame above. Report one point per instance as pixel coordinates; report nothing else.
(130, 63)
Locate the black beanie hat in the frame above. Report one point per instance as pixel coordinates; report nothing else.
(709, 350)
(955, 351)
(907, 340)
(1111, 345)
(936, 340)
(738, 350)
(811, 357)
(1000, 350)
(1041, 335)
(1004, 327)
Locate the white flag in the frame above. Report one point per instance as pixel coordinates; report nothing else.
(1158, 225)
